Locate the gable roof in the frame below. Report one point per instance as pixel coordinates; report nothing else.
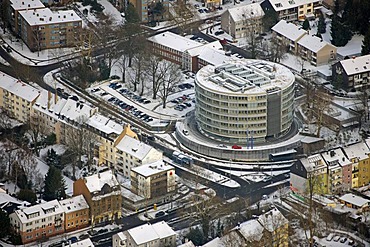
(147, 232)
(18, 88)
(245, 12)
(314, 43)
(134, 147)
(95, 182)
(358, 150)
(356, 65)
(289, 30)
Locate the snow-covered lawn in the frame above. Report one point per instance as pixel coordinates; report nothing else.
(110, 10)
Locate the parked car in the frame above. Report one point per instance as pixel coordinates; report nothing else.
(336, 238)
(266, 179)
(115, 77)
(221, 145)
(343, 240)
(73, 239)
(101, 231)
(219, 32)
(236, 147)
(83, 236)
(159, 214)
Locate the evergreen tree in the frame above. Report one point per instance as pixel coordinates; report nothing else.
(4, 224)
(321, 26)
(306, 25)
(365, 48)
(27, 195)
(340, 33)
(53, 159)
(54, 185)
(131, 14)
(196, 236)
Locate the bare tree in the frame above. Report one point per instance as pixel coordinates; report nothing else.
(139, 66)
(80, 141)
(5, 120)
(253, 29)
(321, 105)
(276, 228)
(36, 130)
(37, 38)
(28, 164)
(155, 73)
(362, 108)
(170, 81)
(183, 16)
(276, 50)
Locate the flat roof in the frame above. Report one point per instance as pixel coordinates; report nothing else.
(46, 16)
(26, 4)
(355, 200)
(279, 5)
(174, 41)
(148, 170)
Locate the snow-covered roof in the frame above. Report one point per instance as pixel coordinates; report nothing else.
(336, 156)
(246, 12)
(243, 77)
(121, 236)
(213, 57)
(216, 242)
(311, 162)
(5, 199)
(187, 244)
(251, 230)
(314, 43)
(73, 204)
(104, 124)
(18, 88)
(39, 211)
(73, 110)
(279, 5)
(358, 150)
(46, 17)
(356, 65)
(215, 45)
(82, 243)
(95, 182)
(272, 220)
(26, 4)
(355, 200)
(151, 169)
(147, 232)
(134, 147)
(288, 30)
(174, 41)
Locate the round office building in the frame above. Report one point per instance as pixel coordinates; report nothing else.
(244, 101)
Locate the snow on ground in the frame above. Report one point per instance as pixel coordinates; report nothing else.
(353, 47)
(58, 148)
(110, 10)
(2, 61)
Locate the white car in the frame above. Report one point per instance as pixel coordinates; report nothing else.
(221, 146)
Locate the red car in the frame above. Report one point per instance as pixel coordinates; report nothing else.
(236, 147)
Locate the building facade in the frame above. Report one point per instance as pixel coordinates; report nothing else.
(292, 10)
(77, 213)
(103, 195)
(240, 21)
(153, 180)
(352, 74)
(244, 100)
(358, 154)
(38, 222)
(44, 29)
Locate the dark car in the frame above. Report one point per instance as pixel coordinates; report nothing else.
(72, 239)
(187, 104)
(159, 214)
(92, 232)
(201, 11)
(83, 236)
(219, 32)
(115, 77)
(101, 231)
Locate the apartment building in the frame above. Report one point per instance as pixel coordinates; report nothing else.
(14, 6)
(103, 195)
(358, 154)
(288, 34)
(38, 222)
(153, 180)
(352, 74)
(292, 10)
(156, 235)
(76, 213)
(131, 153)
(269, 229)
(309, 47)
(309, 171)
(44, 29)
(172, 46)
(240, 21)
(17, 97)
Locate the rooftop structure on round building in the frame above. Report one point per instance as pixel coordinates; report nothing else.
(244, 101)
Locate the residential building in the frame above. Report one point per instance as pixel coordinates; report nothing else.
(43, 29)
(77, 213)
(103, 195)
(38, 222)
(141, 7)
(309, 173)
(338, 182)
(335, 170)
(358, 154)
(309, 47)
(9, 203)
(315, 50)
(352, 74)
(153, 180)
(131, 153)
(18, 5)
(155, 235)
(240, 21)
(355, 202)
(82, 243)
(269, 229)
(212, 4)
(288, 34)
(292, 10)
(244, 95)
(17, 97)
